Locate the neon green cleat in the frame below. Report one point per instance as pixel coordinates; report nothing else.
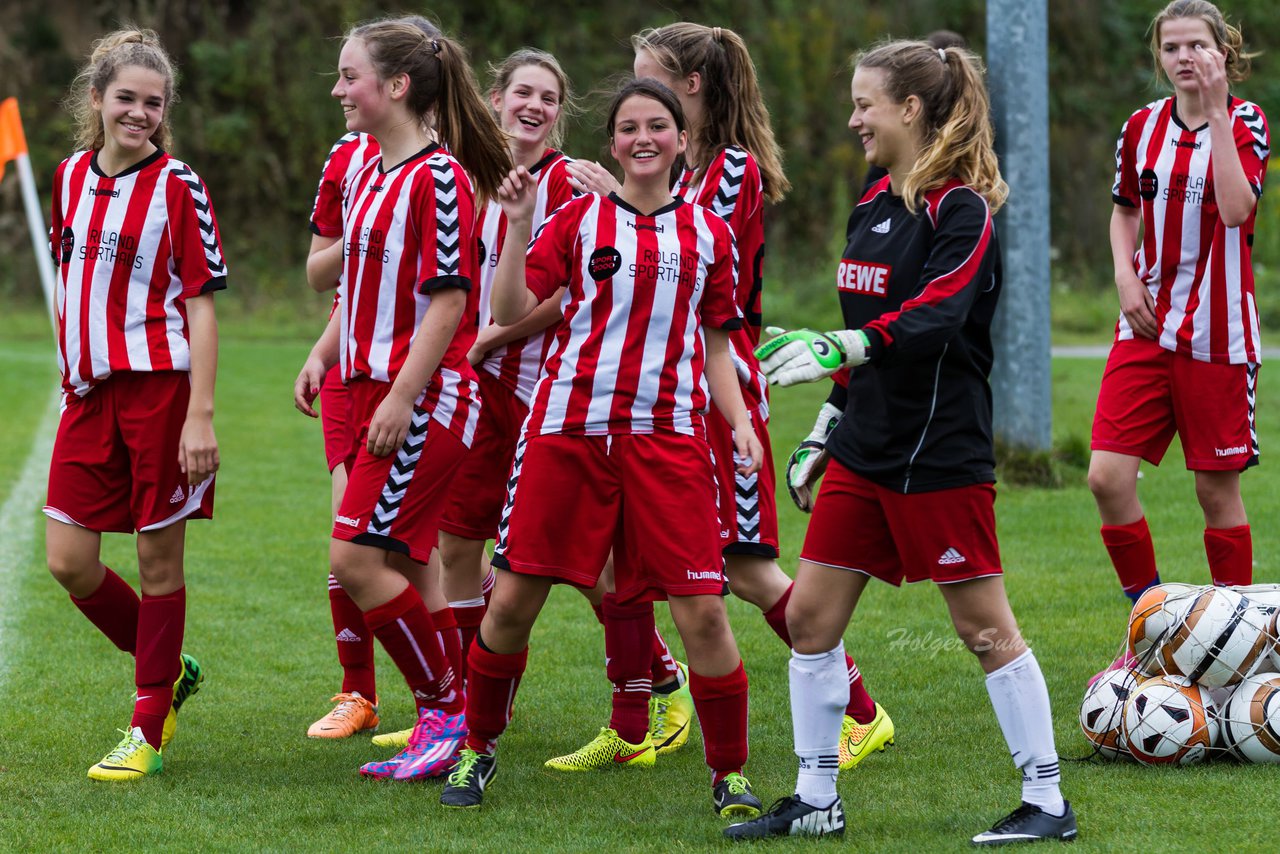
(671, 716)
(733, 798)
(858, 741)
(398, 739)
(132, 759)
(606, 750)
(187, 685)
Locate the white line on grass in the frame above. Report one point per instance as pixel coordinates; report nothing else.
(17, 527)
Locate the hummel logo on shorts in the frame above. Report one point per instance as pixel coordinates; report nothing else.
(949, 557)
(349, 636)
(882, 228)
(178, 496)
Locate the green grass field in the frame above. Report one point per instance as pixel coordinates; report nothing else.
(241, 775)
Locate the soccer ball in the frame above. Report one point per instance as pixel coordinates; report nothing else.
(1168, 720)
(1219, 640)
(1273, 630)
(1103, 709)
(1251, 720)
(1152, 621)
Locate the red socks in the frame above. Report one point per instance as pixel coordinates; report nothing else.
(113, 609)
(663, 667)
(1230, 553)
(404, 627)
(355, 643)
(468, 617)
(628, 648)
(1133, 555)
(721, 702)
(861, 707)
(450, 638)
(161, 622)
(491, 693)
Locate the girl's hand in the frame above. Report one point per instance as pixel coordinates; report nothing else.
(1138, 306)
(482, 344)
(390, 425)
(198, 450)
(1210, 68)
(307, 386)
(587, 176)
(518, 194)
(748, 452)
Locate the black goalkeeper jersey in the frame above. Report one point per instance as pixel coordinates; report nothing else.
(923, 288)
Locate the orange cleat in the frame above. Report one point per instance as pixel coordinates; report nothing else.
(353, 714)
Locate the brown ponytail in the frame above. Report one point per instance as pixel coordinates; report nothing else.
(735, 110)
(958, 138)
(441, 87)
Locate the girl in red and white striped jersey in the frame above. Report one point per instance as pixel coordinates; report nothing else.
(139, 257)
(733, 167)
(614, 448)
(1189, 172)
(529, 94)
(406, 322)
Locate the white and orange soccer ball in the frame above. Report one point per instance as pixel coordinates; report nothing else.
(1168, 720)
(1102, 712)
(1152, 621)
(1219, 640)
(1251, 719)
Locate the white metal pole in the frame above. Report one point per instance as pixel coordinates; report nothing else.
(39, 234)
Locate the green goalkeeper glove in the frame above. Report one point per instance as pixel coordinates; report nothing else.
(803, 356)
(809, 460)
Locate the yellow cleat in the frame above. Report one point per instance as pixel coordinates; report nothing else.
(398, 739)
(353, 714)
(606, 750)
(671, 716)
(858, 741)
(188, 684)
(132, 759)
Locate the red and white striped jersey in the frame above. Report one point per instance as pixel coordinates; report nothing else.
(630, 353)
(1199, 272)
(517, 364)
(130, 250)
(348, 154)
(408, 232)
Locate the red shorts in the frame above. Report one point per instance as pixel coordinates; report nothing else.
(478, 490)
(947, 536)
(394, 502)
(1149, 393)
(650, 498)
(335, 418)
(115, 458)
(748, 512)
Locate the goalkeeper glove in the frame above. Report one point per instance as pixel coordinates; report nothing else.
(804, 355)
(809, 460)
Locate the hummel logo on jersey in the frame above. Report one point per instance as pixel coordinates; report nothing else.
(95, 191)
(347, 520)
(709, 575)
(949, 557)
(883, 228)
(348, 636)
(1231, 452)
(178, 496)
(655, 227)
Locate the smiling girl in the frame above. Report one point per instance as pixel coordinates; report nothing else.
(529, 94)
(139, 256)
(615, 448)
(407, 321)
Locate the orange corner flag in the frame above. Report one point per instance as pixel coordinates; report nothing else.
(12, 141)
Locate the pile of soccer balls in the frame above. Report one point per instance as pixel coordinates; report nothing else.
(1204, 679)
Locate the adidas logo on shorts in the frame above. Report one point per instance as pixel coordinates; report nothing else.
(949, 557)
(348, 636)
(178, 496)
(883, 228)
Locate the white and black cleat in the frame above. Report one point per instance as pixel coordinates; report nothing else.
(792, 817)
(1029, 823)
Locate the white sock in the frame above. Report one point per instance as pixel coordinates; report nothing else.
(468, 603)
(819, 694)
(1021, 701)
